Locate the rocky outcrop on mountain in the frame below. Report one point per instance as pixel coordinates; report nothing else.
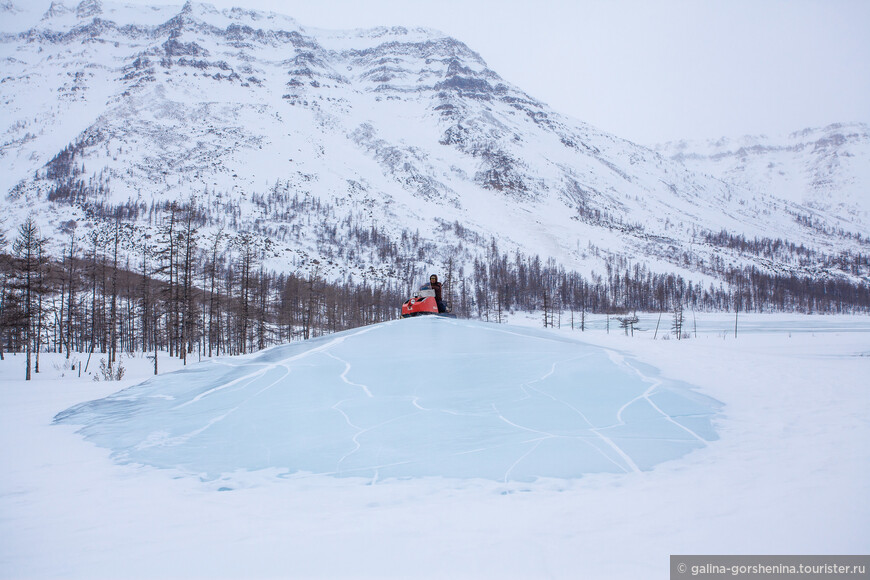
(112, 109)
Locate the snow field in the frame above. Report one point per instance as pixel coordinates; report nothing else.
(788, 474)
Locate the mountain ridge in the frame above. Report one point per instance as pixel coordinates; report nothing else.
(822, 167)
(403, 132)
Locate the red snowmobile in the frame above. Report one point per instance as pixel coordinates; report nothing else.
(422, 302)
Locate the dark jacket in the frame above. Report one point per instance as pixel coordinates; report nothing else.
(436, 286)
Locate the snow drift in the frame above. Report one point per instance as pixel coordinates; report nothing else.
(410, 398)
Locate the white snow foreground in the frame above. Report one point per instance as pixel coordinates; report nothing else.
(789, 474)
(410, 398)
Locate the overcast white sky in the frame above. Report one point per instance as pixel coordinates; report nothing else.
(648, 70)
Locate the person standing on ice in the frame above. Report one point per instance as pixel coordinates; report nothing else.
(435, 285)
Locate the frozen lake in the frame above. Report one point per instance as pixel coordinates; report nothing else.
(404, 399)
(722, 324)
(789, 471)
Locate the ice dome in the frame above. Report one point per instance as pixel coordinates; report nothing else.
(419, 397)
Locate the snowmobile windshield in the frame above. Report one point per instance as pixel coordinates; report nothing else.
(425, 291)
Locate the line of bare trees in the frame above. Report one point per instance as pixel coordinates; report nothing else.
(187, 294)
(500, 283)
(179, 293)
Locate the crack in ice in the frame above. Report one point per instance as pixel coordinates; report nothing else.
(592, 428)
(283, 362)
(654, 384)
(344, 378)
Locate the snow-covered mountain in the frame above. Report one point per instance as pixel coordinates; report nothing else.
(825, 169)
(351, 150)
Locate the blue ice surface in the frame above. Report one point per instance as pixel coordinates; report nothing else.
(410, 398)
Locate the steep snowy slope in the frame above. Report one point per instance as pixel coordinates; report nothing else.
(320, 142)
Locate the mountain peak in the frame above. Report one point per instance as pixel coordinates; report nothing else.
(57, 8)
(89, 8)
(392, 133)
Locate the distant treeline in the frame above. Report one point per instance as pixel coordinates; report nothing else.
(502, 283)
(189, 294)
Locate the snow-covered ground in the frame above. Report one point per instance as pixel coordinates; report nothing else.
(784, 468)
